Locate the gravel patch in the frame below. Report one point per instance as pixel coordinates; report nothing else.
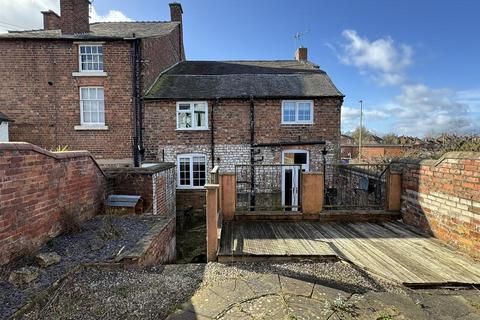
(100, 239)
(154, 293)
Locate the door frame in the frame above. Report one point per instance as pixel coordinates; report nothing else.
(294, 167)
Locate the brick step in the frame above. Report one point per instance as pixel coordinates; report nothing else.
(326, 216)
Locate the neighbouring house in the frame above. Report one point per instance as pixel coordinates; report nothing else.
(4, 120)
(79, 84)
(346, 139)
(199, 114)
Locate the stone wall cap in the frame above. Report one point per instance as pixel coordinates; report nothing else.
(162, 166)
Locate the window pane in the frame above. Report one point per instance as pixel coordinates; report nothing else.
(100, 93)
(82, 49)
(304, 111)
(86, 117)
(184, 107)
(289, 112)
(199, 171)
(184, 120)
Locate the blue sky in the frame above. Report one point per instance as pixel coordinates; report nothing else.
(413, 63)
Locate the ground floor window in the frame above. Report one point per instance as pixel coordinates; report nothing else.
(192, 171)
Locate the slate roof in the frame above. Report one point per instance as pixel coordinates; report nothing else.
(101, 30)
(241, 79)
(3, 117)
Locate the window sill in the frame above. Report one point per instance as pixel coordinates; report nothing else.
(89, 74)
(190, 188)
(86, 127)
(297, 123)
(199, 129)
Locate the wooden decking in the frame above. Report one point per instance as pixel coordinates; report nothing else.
(388, 249)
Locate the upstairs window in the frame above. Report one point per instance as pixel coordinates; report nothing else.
(91, 58)
(92, 106)
(297, 112)
(192, 116)
(192, 171)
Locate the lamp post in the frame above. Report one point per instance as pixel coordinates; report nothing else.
(360, 133)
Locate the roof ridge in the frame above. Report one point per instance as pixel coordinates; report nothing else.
(136, 21)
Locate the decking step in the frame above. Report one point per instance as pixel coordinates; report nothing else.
(326, 216)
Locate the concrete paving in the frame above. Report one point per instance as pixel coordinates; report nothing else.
(270, 296)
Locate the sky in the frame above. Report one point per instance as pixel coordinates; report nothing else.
(414, 64)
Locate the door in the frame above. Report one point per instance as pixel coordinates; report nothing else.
(294, 162)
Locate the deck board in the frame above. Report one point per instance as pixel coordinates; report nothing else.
(389, 249)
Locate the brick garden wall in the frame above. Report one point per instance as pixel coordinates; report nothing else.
(156, 185)
(442, 198)
(39, 188)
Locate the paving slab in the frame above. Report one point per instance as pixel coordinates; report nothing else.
(296, 287)
(265, 284)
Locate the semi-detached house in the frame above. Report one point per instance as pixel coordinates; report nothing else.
(79, 84)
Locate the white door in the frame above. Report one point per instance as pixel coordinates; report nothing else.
(294, 161)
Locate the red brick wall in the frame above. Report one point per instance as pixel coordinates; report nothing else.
(46, 114)
(373, 152)
(231, 124)
(159, 53)
(36, 188)
(442, 198)
(156, 185)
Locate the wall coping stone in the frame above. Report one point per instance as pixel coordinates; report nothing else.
(163, 166)
(25, 146)
(465, 155)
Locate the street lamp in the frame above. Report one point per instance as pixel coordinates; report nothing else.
(360, 133)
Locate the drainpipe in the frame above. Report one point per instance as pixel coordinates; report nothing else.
(212, 134)
(252, 154)
(137, 109)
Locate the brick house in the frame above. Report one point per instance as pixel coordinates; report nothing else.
(199, 114)
(79, 85)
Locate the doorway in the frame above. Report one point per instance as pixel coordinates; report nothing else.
(294, 162)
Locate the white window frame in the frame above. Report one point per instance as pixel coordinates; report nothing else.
(297, 102)
(100, 71)
(194, 127)
(91, 124)
(190, 156)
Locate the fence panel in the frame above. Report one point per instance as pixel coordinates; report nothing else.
(355, 186)
(264, 187)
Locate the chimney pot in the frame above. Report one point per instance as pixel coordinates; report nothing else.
(301, 54)
(176, 12)
(75, 16)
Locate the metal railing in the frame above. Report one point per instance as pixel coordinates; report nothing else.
(264, 188)
(355, 186)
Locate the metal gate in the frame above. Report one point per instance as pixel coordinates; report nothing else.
(355, 186)
(268, 188)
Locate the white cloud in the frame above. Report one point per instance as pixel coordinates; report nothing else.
(25, 14)
(381, 59)
(112, 15)
(351, 117)
(417, 109)
(422, 110)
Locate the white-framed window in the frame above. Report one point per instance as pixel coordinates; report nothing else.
(297, 112)
(192, 115)
(92, 106)
(90, 57)
(191, 171)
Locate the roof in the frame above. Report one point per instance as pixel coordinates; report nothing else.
(241, 79)
(4, 118)
(101, 30)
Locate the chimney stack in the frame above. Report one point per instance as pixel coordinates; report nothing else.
(301, 54)
(75, 16)
(51, 20)
(176, 12)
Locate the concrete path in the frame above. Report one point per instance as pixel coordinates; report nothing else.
(270, 296)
